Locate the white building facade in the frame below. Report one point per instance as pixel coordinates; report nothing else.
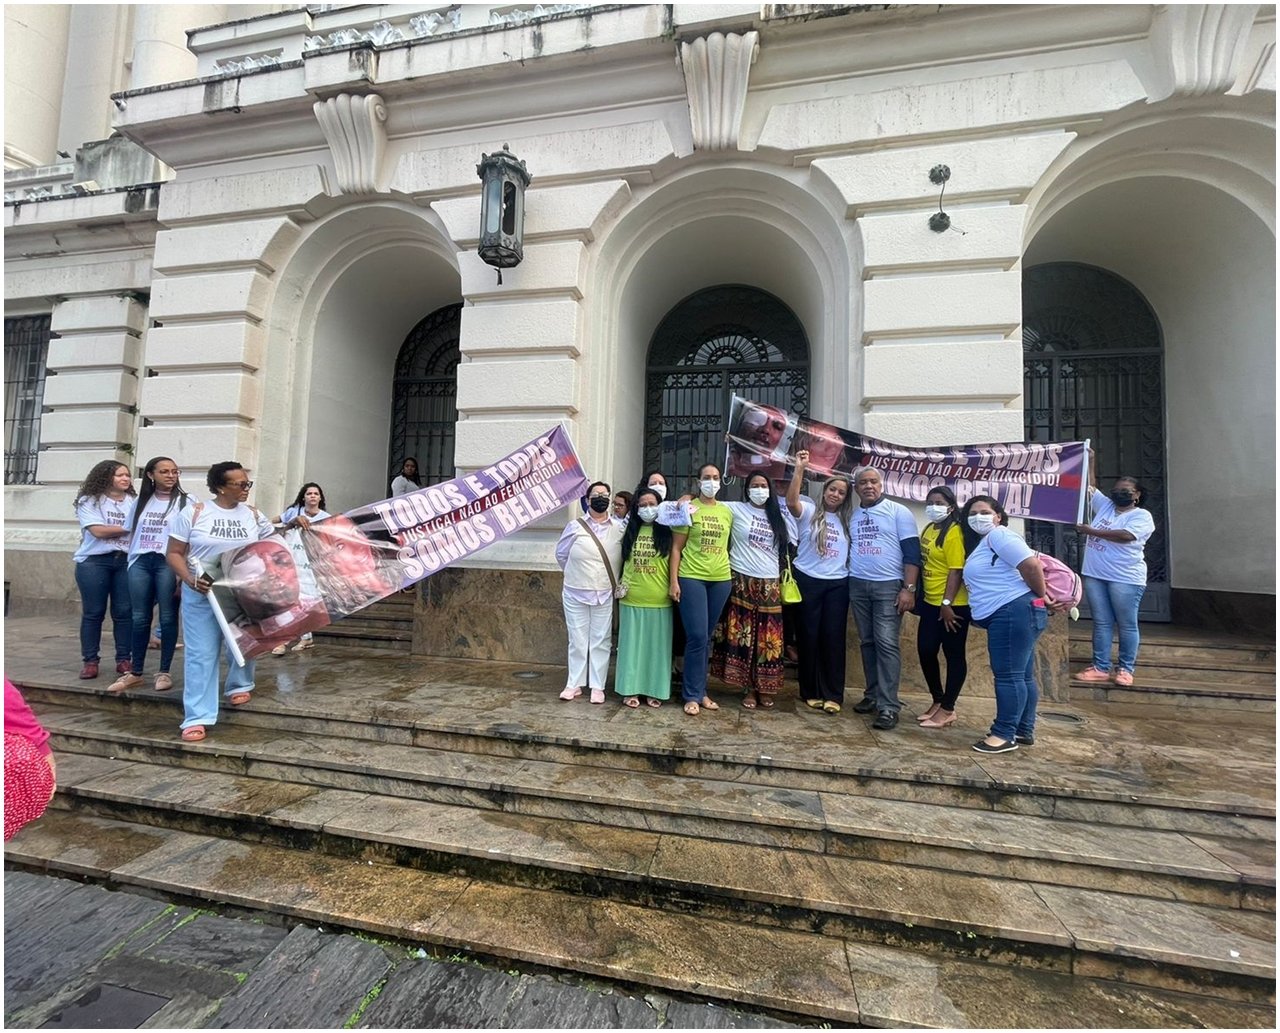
(264, 249)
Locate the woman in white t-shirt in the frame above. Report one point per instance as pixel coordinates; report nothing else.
(102, 570)
(746, 648)
(198, 533)
(307, 509)
(151, 581)
(407, 479)
(822, 556)
(1115, 575)
(1007, 597)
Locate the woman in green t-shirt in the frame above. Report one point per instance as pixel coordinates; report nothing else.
(700, 581)
(942, 607)
(645, 613)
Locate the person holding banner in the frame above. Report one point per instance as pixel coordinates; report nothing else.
(746, 649)
(942, 606)
(590, 554)
(822, 557)
(700, 581)
(199, 533)
(645, 613)
(151, 581)
(884, 563)
(1008, 597)
(307, 508)
(1115, 575)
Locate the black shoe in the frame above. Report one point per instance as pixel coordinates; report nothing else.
(885, 720)
(864, 706)
(982, 747)
(1025, 740)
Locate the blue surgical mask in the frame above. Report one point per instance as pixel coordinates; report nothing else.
(758, 495)
(982, 523)
(648, 513)
(710, 488)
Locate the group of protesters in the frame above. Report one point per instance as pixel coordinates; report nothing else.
(730, 567)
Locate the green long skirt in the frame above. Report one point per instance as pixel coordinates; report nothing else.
(644, 651)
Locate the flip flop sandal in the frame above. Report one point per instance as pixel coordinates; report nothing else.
(692, 709)
(748, 703)
(631, 703)
(193, 734)
(239, 699)
(655, 703)
(766, 703)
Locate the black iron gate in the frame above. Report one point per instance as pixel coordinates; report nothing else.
(1093, 364)
(424, 397)
(716, 343)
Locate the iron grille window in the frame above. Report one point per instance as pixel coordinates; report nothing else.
(424, 404)
(716, 343)
(26, 349)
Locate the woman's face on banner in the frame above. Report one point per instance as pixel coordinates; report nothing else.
(349, 554)
(763, 425)
(267, 579)
(826, 447)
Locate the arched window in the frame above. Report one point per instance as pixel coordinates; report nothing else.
(716, 343)
(424, 397)
(1093, 367)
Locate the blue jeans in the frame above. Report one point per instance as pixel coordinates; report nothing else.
(1114, 603)
(1011, 644)
(204, 646)
(875, 610)
(152, 581)
(701, 603)
(101, 577)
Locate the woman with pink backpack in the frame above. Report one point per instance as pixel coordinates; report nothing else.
(1008, 597)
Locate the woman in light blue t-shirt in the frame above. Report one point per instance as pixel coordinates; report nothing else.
(102, 576)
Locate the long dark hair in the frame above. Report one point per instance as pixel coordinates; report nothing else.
(303, 490)
(951, 519)
(661, 533)
(774, 512)
(417, 471)
(971, 537)
(177, 497)
(98, 481)
(644, 482)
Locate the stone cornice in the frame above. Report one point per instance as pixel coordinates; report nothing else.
(110, 221)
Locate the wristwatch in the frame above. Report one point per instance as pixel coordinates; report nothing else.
(946, 602)
(909, 588)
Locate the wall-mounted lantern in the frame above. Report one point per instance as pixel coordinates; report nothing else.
(503, 180)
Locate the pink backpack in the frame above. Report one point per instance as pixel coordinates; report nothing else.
(1062, 582)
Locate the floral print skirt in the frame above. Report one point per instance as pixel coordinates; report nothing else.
(746, 649)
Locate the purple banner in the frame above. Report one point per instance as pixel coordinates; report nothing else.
(1042, 481)
(270, 592)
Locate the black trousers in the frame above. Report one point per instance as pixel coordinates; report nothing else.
(931, 635)
(824, 617)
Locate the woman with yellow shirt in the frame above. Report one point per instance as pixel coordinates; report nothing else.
(942, 607)
(700, 581)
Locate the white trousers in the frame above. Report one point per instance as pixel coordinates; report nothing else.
(589, 630)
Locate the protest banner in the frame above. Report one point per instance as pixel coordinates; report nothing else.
(1042, 481)
(270, 592)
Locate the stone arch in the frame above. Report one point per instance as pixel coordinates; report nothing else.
(1180, 202)
(705, 226)
(359, 279)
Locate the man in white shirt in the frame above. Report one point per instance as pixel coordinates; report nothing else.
(884, 563)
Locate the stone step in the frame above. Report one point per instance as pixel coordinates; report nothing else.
(1230, 870)
(1172, 646)
(353, 629)
(1181, 691)
(1156, 668)
(814, 975)
(1063, 785)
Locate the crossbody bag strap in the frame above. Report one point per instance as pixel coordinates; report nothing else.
(613, 581)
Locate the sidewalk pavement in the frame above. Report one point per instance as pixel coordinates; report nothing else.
(80, 956)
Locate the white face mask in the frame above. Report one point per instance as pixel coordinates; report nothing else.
(710, 488)
(648, 513)
(934, 514)
(982, 523)
(660, 490)
(758, 495)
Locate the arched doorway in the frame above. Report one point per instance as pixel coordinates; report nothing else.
(424, 410)
(1093, 367)
(718, 342)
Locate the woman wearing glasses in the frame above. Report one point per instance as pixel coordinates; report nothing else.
(199, 533)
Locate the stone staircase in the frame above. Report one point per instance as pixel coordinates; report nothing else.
(387, 624)
(1180, 666)
(789, 861)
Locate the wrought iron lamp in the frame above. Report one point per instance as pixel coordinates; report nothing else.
(503, 179)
